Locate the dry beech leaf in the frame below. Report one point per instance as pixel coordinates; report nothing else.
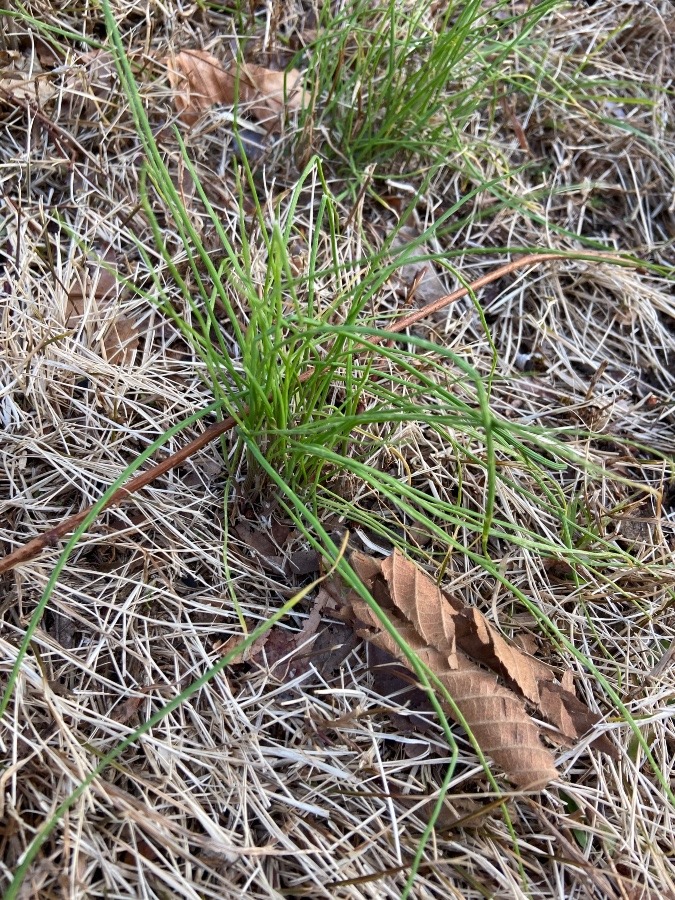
(412, 589)
(89, 300)
(571, 716)
(120, 341)
(482, 642)
(90, 293)
(49, 56)
(456, 642)
(20, 87)
(496, 717)
(199, 80)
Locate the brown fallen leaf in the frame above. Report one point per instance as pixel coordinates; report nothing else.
(21, 87)
(523, 673)
(295, 562)
(417, 596)
(225, 647)
(392, 680)
(496, 717)
(271, 93)
(456, 642)
(484, 643)
(572, 717)
(91, 83)
(89, 298)
(279, 644)
(120, 341)
(199, 80)
(559, 571)
(96, 286)
(334, 643)
(127, 710)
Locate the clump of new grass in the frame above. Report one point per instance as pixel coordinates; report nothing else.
(396, 84)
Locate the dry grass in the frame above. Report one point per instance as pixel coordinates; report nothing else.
(302, 780)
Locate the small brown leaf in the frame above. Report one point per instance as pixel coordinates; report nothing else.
(199, 80)
(572, 717)
(421, 274)
(127, 710)
(282, 644)
(559, 571)
(333, 645)
(270, 93)
(92, 82)
(48, 55)
(258, 541)
(98, 287)
(567, 681)
(243, 655)
(120, 342)
(279, 644)
(20, 87)
(295, 562)
(88, 299)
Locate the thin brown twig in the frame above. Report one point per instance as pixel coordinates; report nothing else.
(51, 537)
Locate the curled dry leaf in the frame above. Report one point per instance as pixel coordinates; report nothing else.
(496, 717)
(278, 645)
(460, 647)
(199, 80)
(92, 80)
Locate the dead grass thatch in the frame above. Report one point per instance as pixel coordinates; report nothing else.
(300, 779)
